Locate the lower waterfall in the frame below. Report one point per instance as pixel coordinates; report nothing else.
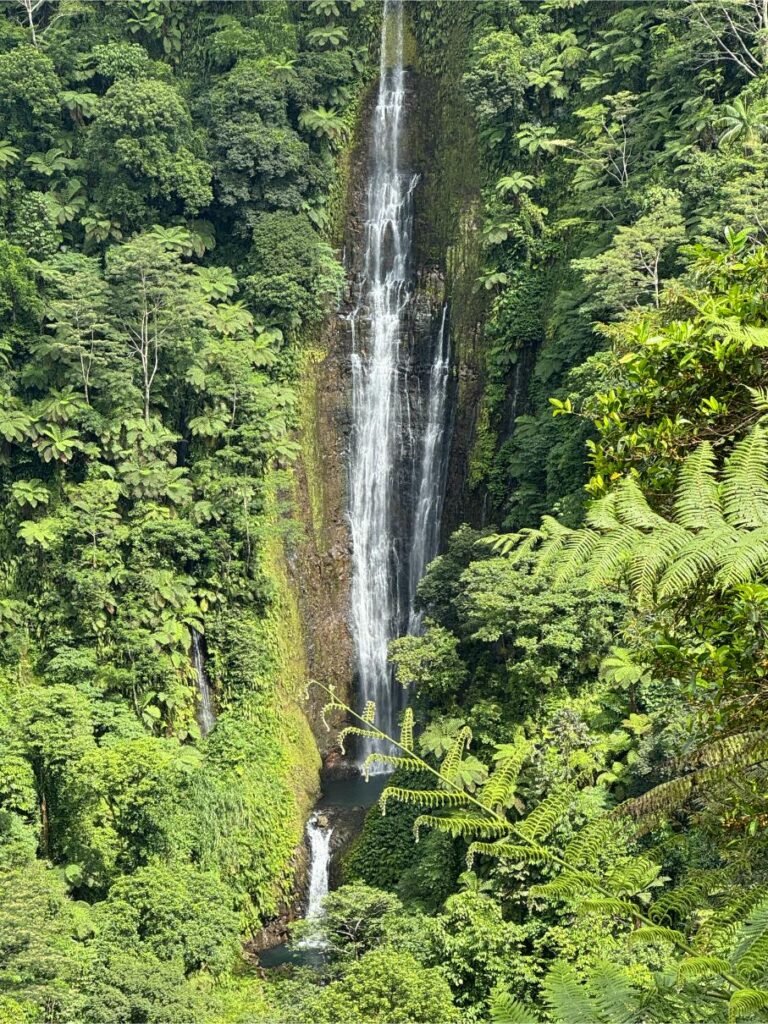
(319, 836)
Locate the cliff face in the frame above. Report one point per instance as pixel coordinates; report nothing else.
(440, 152)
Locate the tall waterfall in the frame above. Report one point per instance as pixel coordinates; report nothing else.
(394, 483)
(206, 716)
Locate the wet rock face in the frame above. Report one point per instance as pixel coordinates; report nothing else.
(337, 767)
(347, 822)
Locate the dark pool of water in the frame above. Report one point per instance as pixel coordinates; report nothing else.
(354, 792)
(285, 955)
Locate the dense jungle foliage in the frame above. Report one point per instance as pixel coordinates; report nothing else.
(583, 764)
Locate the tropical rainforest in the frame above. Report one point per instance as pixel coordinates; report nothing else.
(575, 827)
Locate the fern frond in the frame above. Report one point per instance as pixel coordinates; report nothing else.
(529, 540)
(544, 818)
(750, 953)
(355, 730)
(332, 705)
(500, 787)
(697, 968)
(656, 932)
(601, 514)
(746, 1002)
(587, 845)
(651, 559)
(576, 553)
(369, 713)
(632, 508)
(411, 764)
(612, 555)
(452, 760)
(613, 993)
(507, 850)
(698, 559)
(679, 901)
(745, 481)
(566, 886)
(633, 877)
(718, 761)
(555, 536)
(612, 905)
(461, 827)
(745, 559)
(722, 927)
(698, 505)
(505, 1009)
(406, 730)
(566, 998)
(430, 798)
(742, 748)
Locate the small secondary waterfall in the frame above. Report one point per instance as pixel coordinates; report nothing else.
(206, 716)
(432, 472)
(398, 411)
(319, 867)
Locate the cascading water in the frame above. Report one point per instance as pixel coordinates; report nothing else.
(206, 716)
(395, 495)
(319, 868)
(376, 397)
(429, 501)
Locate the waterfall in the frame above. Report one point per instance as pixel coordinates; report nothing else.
(396, 474)
(376, 397)
(206, 716)
(429, 501)
(319, 867)
(395, 496)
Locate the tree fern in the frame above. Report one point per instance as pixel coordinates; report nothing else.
(746, 559)
(698, 505)
(505, 1009)
(461, 826)
(500, 787)
(745, 482)
(543, 819)
(505, 848)
(607, 997)
(428, 798)
(750, 951)
(747, 1002)
(411, 764)
(452, 760)
(567, 999)
(621, 894)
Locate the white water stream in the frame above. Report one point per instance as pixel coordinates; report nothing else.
(396, 478)
(319, 869)
(429, 501)
(206, 716)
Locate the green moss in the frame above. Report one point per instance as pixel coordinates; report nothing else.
(311, 455)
